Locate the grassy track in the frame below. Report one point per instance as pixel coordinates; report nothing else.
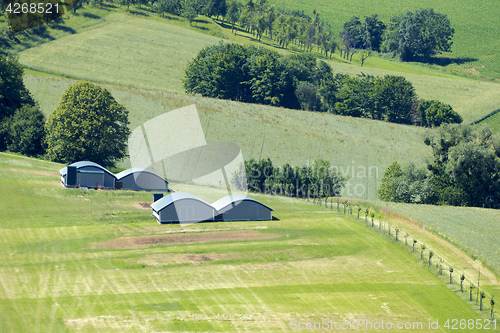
(150, 54)
(460, 226)
(320, 266)
(477, 29)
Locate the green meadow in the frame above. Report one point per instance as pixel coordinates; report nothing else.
(460, 226)
(70, 264)
(152, 55)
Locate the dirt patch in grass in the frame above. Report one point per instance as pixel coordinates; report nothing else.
(143, 205)
(145, 241)
(164, 259)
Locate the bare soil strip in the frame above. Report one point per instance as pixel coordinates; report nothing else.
(145, 241)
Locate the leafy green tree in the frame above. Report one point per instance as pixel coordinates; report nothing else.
(27, 131)
(13, 94)
(168, 6)
(190, 9)
(307, 95)
(220, 71)
(373, 32)
(423, 33)
(233, 13)
(353, 33)
(395, 97)
(475, 170)
(88, 124)
(434, 113)
(355, 97)
(387, 190)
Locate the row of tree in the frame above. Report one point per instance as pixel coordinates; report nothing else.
(258, 75)
(315, 181)
(88, 123)
(413, 34)
(465, 171)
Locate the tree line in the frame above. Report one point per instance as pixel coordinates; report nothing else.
(411, 36)
(315, 181)
(258, 75)
(465, 171)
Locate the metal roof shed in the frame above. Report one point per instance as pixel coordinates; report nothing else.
(89, 174)
(138, 179)
(241, 208)
(182, 207)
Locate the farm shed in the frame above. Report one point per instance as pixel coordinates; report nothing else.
(241, 208)
(87, 174)
(182, 207)
(139, 179)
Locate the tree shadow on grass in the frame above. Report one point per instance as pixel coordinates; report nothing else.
(90, 15)
(200, 28)
(445, 61)
(171, 17)
(108, 5)
(63, 28)
(200, 21)
(137, 13)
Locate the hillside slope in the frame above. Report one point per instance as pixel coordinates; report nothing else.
(476, 43)
(150, 54)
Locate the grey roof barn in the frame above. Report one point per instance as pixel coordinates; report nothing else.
(87, 174)
(182, 207)
(139, 179)
(241, 208)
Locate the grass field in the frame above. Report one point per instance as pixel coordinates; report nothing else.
(361, 149)
(477, 29)
(461, 226)
(66, 266)
(153, 55)
(493, 122)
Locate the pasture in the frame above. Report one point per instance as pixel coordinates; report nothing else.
(478, 237)
(152, 54)
(476, 43)
(65, 268)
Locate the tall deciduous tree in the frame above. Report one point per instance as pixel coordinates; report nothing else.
(88, 124)
(424, 32)
(13, 94)
(233, 13)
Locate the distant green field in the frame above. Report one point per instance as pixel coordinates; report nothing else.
(492, 122)
(148, 54)
(475, 230)
(361, 149)
(67, 267)
(476, 24)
